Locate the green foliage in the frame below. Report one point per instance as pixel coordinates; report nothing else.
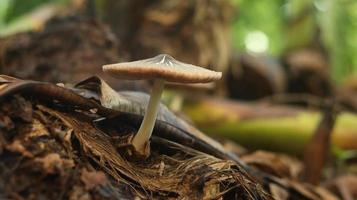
(339, 31)
(300, 24)
(17, 15)
(259, 15)
(3, 8)
(20, 7)
(292, 24)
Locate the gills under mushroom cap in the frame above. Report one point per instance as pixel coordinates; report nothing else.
(164, 67)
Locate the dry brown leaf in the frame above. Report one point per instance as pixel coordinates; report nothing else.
(325, 194)
(276, 164)
(278, 193)
(345, 186)
(310, 191)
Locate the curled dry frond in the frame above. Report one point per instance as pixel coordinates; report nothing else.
(186, 173)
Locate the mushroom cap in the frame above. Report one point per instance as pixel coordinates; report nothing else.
(164, 67)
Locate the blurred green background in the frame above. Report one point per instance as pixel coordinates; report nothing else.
(259, 26)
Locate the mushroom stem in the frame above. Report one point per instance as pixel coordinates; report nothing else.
(141, 139)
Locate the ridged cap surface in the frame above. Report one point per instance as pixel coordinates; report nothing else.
(164, 67)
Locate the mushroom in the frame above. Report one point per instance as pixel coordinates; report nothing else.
(160, 68)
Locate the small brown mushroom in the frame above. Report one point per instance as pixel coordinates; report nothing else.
(159, 69)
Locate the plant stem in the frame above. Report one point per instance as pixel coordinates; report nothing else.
(142, 137)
